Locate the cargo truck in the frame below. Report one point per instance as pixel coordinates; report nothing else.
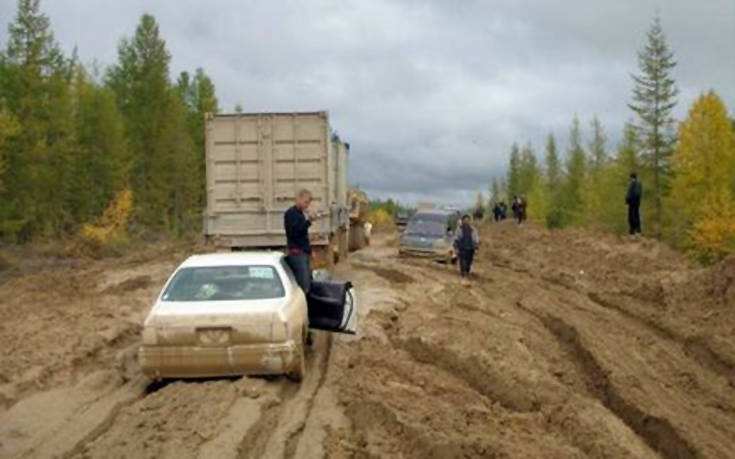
(256, 163)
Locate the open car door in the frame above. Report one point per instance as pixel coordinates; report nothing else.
(332, 307)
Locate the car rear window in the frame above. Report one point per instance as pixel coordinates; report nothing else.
(222, 283)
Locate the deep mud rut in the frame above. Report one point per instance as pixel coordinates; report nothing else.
(564, 344)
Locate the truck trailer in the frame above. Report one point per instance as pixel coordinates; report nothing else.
(256, 163)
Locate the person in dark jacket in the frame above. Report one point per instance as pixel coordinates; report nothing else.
(633, 200)
(466, 243)
(522, 208)
(296, 221)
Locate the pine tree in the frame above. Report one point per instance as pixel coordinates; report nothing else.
(703, 165)
(654, 97)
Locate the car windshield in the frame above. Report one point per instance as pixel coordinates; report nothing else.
(222, 283)
(426, 228)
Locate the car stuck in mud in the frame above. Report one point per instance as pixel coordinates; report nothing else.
(228, 314)
(429, 234)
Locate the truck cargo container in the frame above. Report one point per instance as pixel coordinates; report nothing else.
(256, 163)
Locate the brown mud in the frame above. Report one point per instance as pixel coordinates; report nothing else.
(565, 344)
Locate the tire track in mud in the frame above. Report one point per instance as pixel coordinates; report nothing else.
(110, 352)
(696, 350)
(693, 348)
(278, 431)
(657, 432)
(323, 365)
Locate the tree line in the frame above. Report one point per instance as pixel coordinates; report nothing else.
(687, 169)
(75, 139)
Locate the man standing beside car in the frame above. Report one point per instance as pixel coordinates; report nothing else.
(296, 221)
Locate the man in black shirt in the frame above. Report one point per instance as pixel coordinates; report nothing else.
(296, 221)
(633, 199)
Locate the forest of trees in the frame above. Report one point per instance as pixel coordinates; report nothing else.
(688, 174)
(78, 144)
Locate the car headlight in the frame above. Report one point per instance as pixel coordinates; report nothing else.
(440, 244)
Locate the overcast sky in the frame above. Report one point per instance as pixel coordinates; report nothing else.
(430, 94)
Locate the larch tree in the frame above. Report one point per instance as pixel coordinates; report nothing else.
(598, 145)
(554, 178)
(514, 170)
(654, 97)
(576, 167)
(140, 81)
(596, 186)
(495, 191)
(9, 127)
(38, 159)
(703, 165)
(101, 165)
(529, 171)
(198, 95)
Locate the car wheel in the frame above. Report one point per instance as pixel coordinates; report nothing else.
(299, 370)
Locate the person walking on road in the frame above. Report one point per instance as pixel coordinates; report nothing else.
(466, 243)
(296, 221)
(633, 200)
(519, 209)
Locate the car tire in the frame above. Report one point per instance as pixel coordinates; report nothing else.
(299, 370)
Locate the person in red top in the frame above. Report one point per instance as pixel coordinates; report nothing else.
(296, 221)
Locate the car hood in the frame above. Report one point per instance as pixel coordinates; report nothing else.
(417, 240)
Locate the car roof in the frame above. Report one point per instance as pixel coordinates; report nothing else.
(233, 259)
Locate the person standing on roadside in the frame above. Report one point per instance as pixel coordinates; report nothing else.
(466, 243)
(633, 200)
(296, 221)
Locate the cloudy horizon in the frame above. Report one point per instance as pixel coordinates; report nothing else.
(431, 95)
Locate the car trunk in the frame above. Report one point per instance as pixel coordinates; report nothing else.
(217, 323)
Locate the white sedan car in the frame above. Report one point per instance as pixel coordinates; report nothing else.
(238, 313)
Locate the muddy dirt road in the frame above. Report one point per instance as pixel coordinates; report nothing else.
(566, 344)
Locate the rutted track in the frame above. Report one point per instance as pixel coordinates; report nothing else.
(558, 348)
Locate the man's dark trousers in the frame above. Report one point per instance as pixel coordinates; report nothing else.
(465, 261)
(301, 266)
(634, 218)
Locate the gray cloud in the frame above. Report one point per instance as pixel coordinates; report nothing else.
(430, 94)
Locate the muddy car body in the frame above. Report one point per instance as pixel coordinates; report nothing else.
(229, 314)
(429, 233)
